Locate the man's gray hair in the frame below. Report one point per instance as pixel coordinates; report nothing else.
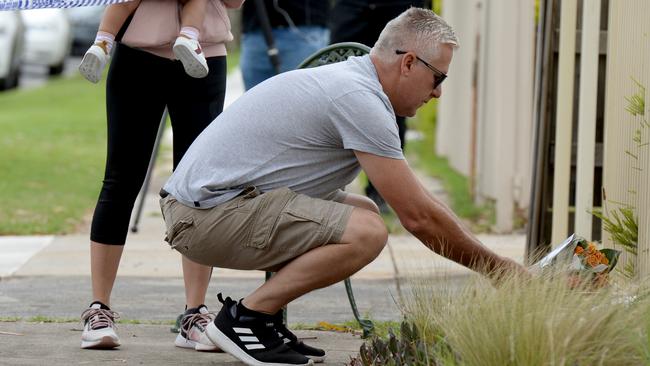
(416, 29)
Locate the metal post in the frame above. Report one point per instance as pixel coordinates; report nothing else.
(147, 178)
(366, 324)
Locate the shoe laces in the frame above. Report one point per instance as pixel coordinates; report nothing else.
(99, 318)
(190, 320)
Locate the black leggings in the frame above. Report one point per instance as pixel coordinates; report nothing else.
(138, 87)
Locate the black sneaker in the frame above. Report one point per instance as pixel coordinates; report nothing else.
(251, 337)
(291, 340)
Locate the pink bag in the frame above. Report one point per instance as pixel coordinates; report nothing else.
(156, 24)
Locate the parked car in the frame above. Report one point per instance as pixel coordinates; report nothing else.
(85, 22)
(48, 38)
(12, 39)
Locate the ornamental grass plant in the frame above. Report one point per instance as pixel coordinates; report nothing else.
(538, 321)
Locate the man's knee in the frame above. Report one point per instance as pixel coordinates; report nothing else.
(366, 229)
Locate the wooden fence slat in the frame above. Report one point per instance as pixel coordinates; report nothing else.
(626, 178)
(563, 132)
(587, 117)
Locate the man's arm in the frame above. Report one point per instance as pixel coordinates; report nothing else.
(426, 217)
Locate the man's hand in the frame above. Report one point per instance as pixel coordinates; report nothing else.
(508, 268)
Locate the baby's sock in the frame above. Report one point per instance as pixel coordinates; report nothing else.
(190, 32)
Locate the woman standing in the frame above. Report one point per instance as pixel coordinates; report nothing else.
(143, 79)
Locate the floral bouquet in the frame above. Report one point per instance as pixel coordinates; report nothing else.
(583, 260)
(591, 262)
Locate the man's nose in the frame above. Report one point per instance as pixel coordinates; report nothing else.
(437, 92)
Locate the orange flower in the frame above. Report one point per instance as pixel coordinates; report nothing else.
(604, 260)
(579, 250)
(591, 247)
(593, 260)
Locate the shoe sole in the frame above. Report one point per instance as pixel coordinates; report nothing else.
(192, 66)
(189, 344)
(89, 66)
(105, 343)
(317, 359)
(222, 341)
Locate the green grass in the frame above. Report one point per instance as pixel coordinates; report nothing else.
(10, 319)
(381, 327)
(39, 319)
(422, 154)
(538, 321)
(232, 59)
(53, 150)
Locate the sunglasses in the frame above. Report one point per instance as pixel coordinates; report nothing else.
(438, 76)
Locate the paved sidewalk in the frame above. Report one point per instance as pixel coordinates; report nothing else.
(58, 344)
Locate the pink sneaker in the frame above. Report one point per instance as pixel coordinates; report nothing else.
(192, 332)
(99, 327)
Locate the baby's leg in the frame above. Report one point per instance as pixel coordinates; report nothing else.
(115, 16)
(193, 13)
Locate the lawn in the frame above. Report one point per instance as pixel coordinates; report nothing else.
(53, 151)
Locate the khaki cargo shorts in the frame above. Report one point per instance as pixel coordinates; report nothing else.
(253, 230)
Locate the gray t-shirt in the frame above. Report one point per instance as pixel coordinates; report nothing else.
(295, 130)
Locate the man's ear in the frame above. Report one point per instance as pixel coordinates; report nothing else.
(407, 64)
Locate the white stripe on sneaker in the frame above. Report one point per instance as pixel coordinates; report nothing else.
(255, 346)
(248, 339)
(242, 330)
(226, 344)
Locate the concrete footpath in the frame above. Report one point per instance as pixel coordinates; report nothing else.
(57, 344)
(45, 285)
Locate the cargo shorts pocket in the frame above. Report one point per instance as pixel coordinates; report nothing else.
(179, 236)
(305, 208)
(266, 210)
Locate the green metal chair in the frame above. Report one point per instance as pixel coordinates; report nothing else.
(334, 53)
(329, 55)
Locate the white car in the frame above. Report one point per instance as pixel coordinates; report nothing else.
(12, 35)
(48, 38)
